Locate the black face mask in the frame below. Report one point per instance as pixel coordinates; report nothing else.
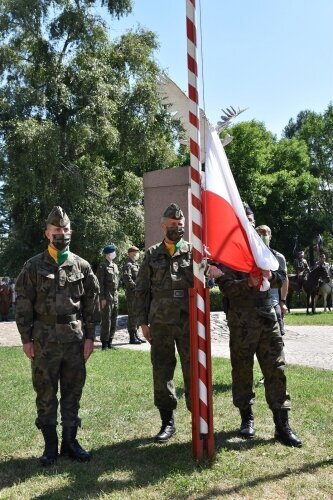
(61, 241)
(174, 233)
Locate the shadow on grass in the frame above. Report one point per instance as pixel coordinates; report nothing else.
(216, 388)
(221, 388)
(232, 441)
(136, 463)
(130, 464)
(234, 490)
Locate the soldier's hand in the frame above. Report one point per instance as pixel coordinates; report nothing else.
(146, 332)
(253, 281)
(28, 350)
(88, 349)
(266, 273)
(284, 309)
(103, 303)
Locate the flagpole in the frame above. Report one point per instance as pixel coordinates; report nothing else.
(201, 386)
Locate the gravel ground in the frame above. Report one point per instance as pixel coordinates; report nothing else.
(304, 345)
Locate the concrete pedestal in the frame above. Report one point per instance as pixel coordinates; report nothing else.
(162, 187)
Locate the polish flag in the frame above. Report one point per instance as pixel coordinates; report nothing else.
(228, 235)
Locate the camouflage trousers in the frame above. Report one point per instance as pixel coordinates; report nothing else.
(251, 334)
(109, 315)
(165, 339)
(58, 363)
(132, 318)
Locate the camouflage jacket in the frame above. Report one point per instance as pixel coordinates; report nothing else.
(57, 303)
(234, 286)
(108, 277)
(162, 285)
(130, 273)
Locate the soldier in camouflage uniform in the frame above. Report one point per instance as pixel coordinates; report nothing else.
(108, 277)
(162, 285)
(130, 273)
(57, 309)
(254, 330)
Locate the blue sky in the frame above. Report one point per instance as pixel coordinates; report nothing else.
(274, 57)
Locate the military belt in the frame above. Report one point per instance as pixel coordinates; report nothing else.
(175, 294)
(53, 319)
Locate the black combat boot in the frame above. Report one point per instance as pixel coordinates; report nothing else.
(133, 339)
(246, 429)
(70, 446)
(51, 444)
(283, 432)
(142, 341)
(109, 344)
(104, 346)
(168, 428)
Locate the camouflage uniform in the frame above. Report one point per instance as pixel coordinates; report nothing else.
(162, 301)
(254, 330)
(130, 273)
(57, 308)
(108, 277)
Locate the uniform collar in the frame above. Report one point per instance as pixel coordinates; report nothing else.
(49, 260)
(183, 248)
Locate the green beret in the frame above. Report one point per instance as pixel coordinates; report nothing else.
(109, 248)
(58, 217)
(173, 211)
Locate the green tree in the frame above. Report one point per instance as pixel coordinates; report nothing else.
(316, 129)
(77, 113)
(274, 178)
(249, 155)
(293, 188)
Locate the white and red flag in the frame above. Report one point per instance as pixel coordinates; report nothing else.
(229, 237)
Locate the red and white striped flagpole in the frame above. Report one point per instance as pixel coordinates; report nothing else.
(201, 392)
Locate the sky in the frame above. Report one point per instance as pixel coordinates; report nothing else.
(273, 57)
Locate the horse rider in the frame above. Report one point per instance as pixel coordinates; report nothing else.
(322, 263)
(300, 266)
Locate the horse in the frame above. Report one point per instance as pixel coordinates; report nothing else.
(326, 291)
(309, 284)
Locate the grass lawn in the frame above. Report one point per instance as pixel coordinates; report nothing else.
(119, 420)
(299, 318)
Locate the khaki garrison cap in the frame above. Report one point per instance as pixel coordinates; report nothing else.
(58, 217)
(133, 249)
(173, 211)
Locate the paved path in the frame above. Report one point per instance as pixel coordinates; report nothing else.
(304, 345)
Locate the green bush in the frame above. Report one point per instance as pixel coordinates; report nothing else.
(122, 301)
(215, 299)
